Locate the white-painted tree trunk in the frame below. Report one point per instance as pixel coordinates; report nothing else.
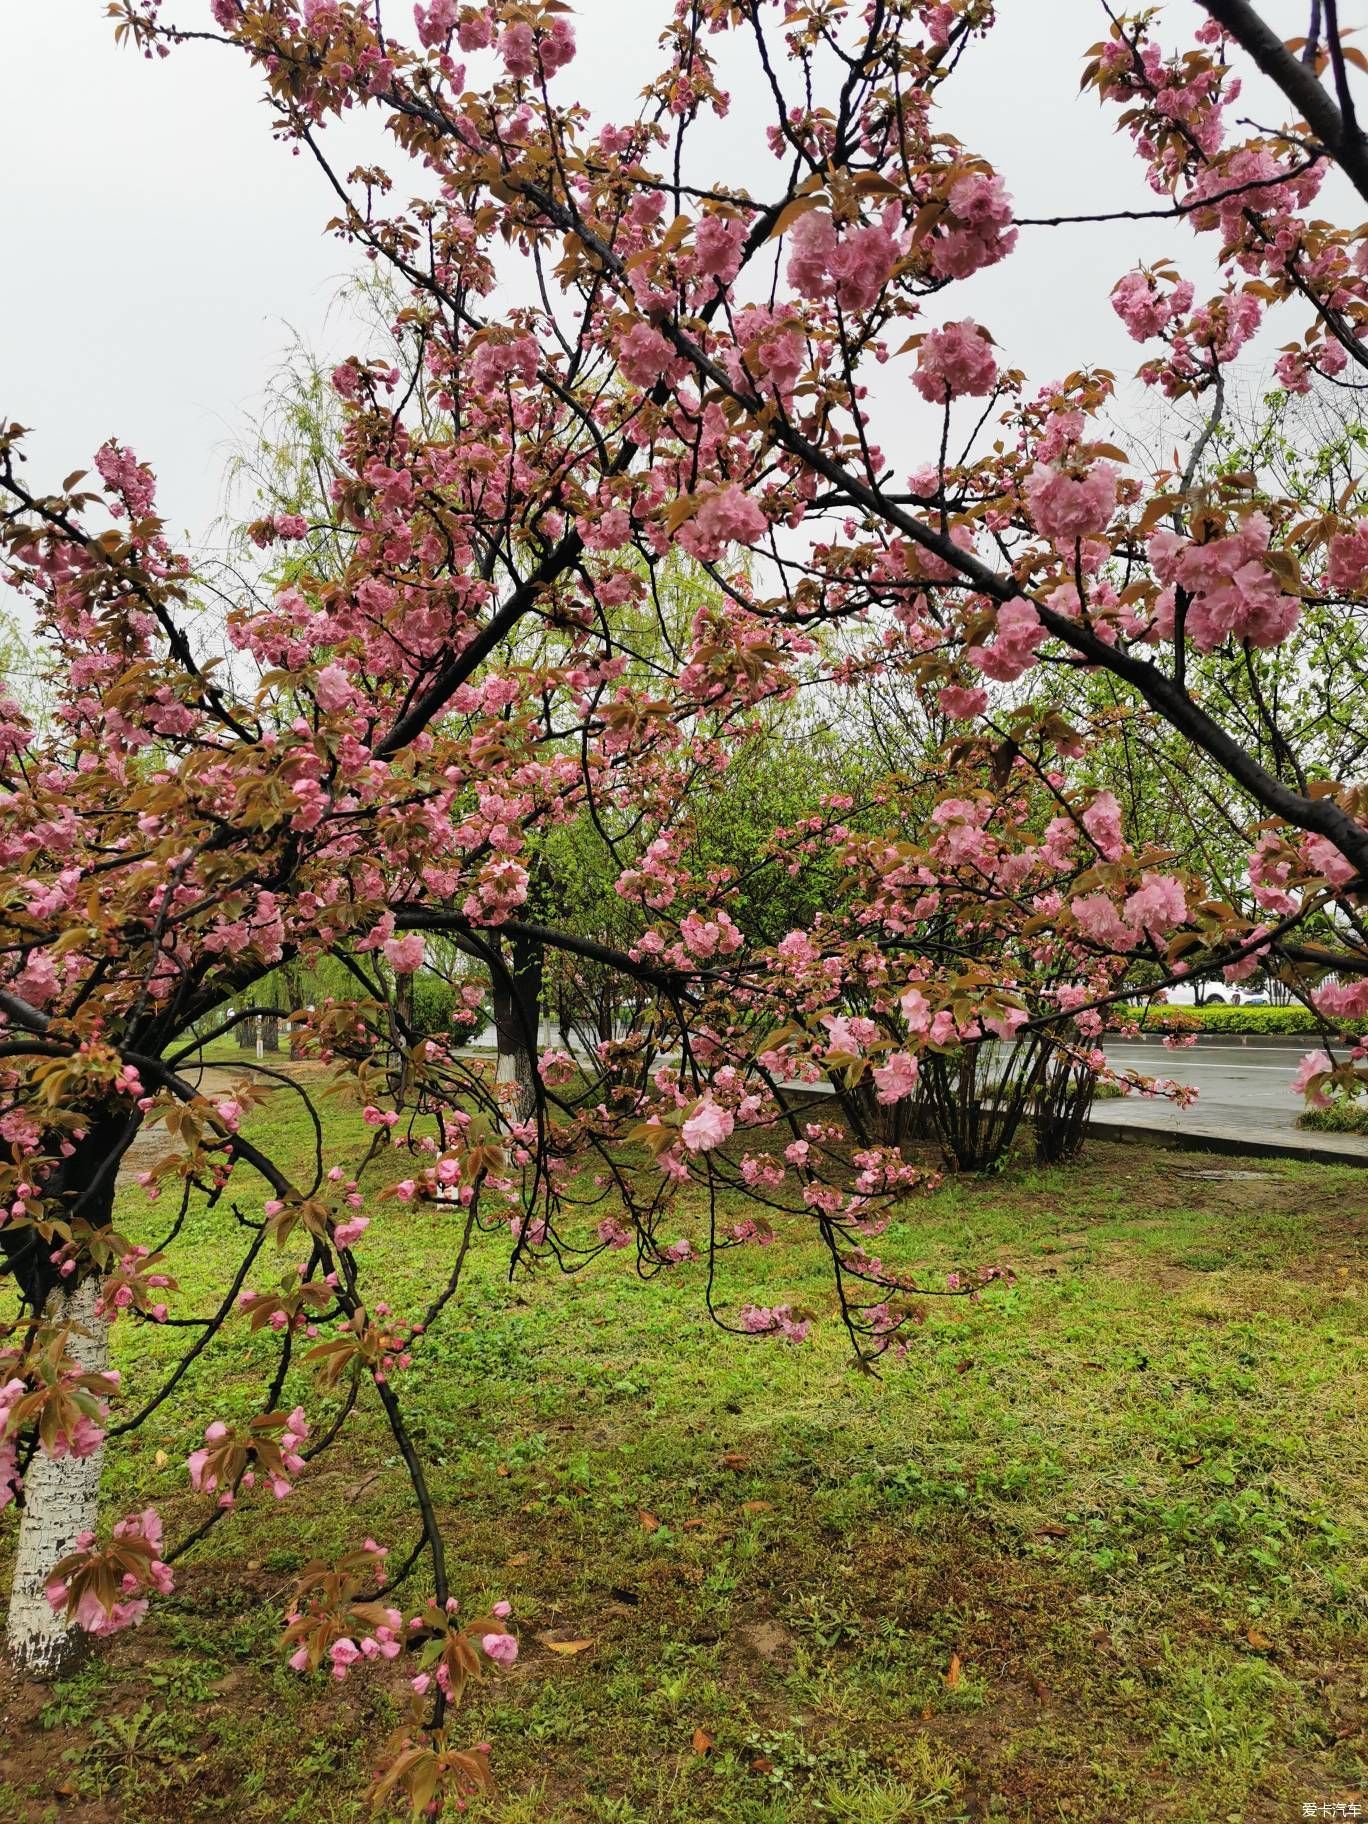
(61, 1499)
(516, 1067)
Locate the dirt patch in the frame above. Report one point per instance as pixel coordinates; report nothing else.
(769, 1640)
(30, 1764)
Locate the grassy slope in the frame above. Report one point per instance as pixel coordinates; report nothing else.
(1125, 1500)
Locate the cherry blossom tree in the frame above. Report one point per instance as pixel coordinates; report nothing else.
(690, 367)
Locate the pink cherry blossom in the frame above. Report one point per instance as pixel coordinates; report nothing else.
(707, 1127)
(1157, 905)
(976, 231)
(1348, 554)
(333, 688)
(726, 516)
(776, 1320)
(1102, 821)
(955, 361)
(718, 241)
(896, 1080)
(1017, 634)
(1313, 1064)
(962, 702)
(644, 354)
(1100, 919)
(1068, 506)
(404, 954)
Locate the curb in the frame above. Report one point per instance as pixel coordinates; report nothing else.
(1319, 1152)
(1258, 1041)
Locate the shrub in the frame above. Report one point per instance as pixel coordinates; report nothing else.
(433, 1000)
(1293, 1020)
(1340, 1118)
(1064, 1099)
(977, 1097)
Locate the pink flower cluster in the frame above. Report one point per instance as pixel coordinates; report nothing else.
(126, 477)
(384, 1642)
(404, 954)
(1342, 1000)
(87, 1435)
(205, 1480)
(896, 1080)
(1233, 592)
(1158, 905)
(962, 701)
(1019, 631)
(708, 1126)
(851, 265)
(717, 247)
(129, 1607)
(1327, 860)
(1102, 821)
(1270, 871)
(501, 1648)
(1144, 309)
(435, 22)
(954, 362)
(10, 1480)
(1313, 1064)
(976, 229)
(1348, 554)
(496, 363)
(501, 888)
(776, 1320)
(520, 49)
(727, 516)
(711, 936)
(644, 355)
(1155, 908)
(333, 690)
(1067, 506)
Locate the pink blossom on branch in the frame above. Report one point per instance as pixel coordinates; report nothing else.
(1067, 506)
(954, 362)
(896, 1080)
(1313, 1065)
(1102, 821)
(103, 1590)
(707, 1127)
(404, 954)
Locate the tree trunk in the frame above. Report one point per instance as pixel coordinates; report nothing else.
(400, 1069)
(61, 1499)
(517, 1018)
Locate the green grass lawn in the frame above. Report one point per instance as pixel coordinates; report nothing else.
(1093, 1550)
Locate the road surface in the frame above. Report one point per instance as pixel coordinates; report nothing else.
(1243, 1090)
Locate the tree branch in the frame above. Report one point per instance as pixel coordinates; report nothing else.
(1340, 135)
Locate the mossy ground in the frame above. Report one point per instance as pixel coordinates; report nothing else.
(1093, 1550)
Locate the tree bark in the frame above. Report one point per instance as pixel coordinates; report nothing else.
(61, 1499)
(517, 1018)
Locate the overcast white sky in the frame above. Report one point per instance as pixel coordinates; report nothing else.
(161, 245)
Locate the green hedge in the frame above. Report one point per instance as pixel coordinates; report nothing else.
(1292, 1020)
(1295, 1020)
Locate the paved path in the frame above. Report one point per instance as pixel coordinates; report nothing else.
(1244, 1101)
